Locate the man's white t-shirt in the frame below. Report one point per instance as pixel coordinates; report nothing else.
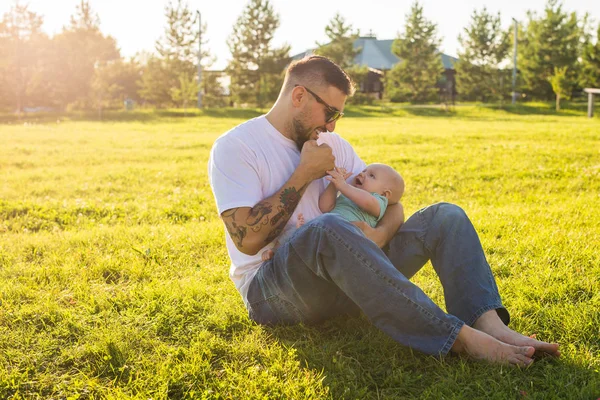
(252, 162)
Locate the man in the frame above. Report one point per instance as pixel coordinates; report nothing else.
(267, 171)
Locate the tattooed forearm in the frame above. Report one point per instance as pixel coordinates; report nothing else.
(241, 227)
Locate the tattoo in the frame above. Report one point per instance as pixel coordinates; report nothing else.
(290, 197)
(237, 232)
(274, 234)
(257, 214)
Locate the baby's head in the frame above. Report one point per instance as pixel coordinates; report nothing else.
(382, 179)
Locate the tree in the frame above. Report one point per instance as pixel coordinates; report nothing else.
(561, 85)
(180, 41)
(590, 63)
(548, 42)
(114, 82)
(185, 92)
(484, 47)
(414, 78)
(78, 50)
(341, 50)
(256, 68)
(156, 82)
(213, 93)
(22, 49)
(177, 57)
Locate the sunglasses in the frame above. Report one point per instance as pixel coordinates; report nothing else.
(332, 114)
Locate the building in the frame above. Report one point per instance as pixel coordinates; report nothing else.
(378, 57)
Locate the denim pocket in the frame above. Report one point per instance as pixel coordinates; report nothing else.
(274, 310)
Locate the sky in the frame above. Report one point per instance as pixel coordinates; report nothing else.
(137, 24)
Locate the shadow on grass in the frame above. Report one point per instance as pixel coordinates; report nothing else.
(174, 115)
(468, 111)
(568, 109)
(433, 110)
(359, 361)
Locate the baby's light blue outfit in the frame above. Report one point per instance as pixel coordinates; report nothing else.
(348, 210)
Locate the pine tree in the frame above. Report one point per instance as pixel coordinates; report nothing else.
(590, 63)
(180, 41)
(177, 57)
(340, 48)
(548, 42)
(256, 68)
(484, 47)
(414, 78)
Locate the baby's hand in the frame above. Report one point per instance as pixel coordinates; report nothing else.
(338, 176)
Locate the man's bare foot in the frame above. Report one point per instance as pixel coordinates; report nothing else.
(482, 346)
(491, 324)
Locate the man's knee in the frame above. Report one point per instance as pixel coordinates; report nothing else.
(448, 216)
(443, 213)
(449, 210)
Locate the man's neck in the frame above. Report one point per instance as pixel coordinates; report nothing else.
(280, 120)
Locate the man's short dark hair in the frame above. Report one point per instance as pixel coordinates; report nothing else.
(318, 71)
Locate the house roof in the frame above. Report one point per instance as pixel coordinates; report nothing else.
(378, 54)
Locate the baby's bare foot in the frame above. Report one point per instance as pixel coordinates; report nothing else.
(493, 326)
(482, 346)
(300, 221)
(267, 255)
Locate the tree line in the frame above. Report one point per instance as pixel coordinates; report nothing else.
(82, 68)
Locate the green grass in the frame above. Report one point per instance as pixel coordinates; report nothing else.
(113, 270)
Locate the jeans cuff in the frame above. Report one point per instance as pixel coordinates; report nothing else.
(502, 313)
(452, 338)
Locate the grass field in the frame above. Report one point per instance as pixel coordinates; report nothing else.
(113, 270)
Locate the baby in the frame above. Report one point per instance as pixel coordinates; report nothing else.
(367, 195)
(364, 198)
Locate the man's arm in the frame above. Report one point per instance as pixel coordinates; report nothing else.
(252, 228)
(386, 228)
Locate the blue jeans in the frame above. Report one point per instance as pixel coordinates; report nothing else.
(329, 268)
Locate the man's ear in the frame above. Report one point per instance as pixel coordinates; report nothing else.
(298, 94)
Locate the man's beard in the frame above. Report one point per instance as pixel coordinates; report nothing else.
(301, 133)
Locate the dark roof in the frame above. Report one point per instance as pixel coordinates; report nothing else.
(378, 54)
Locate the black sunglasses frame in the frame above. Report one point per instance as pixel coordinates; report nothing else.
(332, 114)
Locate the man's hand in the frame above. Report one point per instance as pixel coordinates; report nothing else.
(316, 160)
(374, 234)
(338, 177)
